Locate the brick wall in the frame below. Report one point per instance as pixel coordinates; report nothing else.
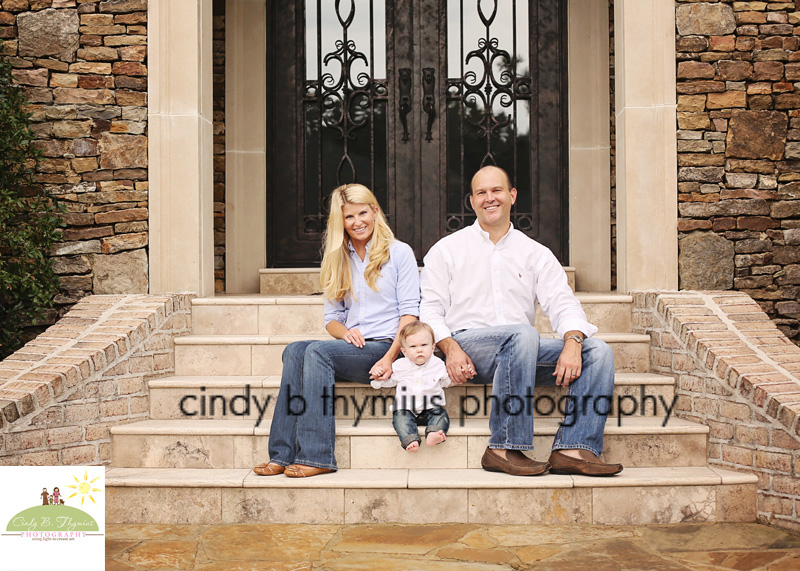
(738, 142)
(61, 392)
(83, 67)
(739, 375)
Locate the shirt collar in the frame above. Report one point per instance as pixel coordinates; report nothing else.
(353, 249)
(481, 232)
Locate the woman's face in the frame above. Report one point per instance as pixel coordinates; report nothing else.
(359, 221)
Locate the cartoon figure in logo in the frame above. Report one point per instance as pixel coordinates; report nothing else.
(56, 495)
(45, 495)
(61, 502)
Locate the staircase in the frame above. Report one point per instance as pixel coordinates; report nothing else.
(195, 466)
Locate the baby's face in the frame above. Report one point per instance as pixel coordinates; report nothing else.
(418, 347)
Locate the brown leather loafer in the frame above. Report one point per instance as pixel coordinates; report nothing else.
(515, 463)
(299, 471)
(587, 465)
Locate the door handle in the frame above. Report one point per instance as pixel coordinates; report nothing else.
(404, 82)
(428, 99)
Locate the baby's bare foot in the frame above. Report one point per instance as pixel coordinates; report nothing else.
(435, 438)
(413, 447)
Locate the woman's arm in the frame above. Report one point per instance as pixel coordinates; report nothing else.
(382, 370)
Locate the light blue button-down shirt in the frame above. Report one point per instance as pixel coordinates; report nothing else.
(377, 313)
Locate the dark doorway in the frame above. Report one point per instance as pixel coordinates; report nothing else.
(410, 98)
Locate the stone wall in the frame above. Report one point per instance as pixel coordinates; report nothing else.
(738, 374)
(83, 67)
(61, 392)
(739, 152)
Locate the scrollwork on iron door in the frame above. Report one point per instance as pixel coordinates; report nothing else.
(486, 136)
(346, 104)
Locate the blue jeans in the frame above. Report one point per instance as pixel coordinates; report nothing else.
(405, 423)
(303, 429)
(514, 358)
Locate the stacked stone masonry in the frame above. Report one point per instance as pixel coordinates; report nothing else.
(738, 96)
(739, 375)
(83, 68)
(61, 392)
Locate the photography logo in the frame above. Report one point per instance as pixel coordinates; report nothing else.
(54, 517)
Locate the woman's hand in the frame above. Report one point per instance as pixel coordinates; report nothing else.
(354, 337)
(381, 370)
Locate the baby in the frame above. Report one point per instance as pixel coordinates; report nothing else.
(420, 379)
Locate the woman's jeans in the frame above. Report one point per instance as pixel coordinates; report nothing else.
(405, 423)
(514, 358)
(303, 427)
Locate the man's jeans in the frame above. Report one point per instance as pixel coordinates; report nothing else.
(514, 358)
(303, 427)
(405, 423)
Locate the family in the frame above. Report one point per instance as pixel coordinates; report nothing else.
(476, 301)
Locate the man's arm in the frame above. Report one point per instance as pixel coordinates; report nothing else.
(435, 289)
(435, 286)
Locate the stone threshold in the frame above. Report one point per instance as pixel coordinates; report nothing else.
(468, 478)
(262, 299)
(286, 339)
(382, 427)
(274, 381)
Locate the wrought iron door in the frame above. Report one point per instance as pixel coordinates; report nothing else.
(410, 98)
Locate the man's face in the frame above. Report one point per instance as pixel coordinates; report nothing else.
(492, 199)
(418, 348)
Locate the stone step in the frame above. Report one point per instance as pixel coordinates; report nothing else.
(261, 354)
(203, 397)
(302, 315)
(637, 496)
(220, 444)
(305, 281)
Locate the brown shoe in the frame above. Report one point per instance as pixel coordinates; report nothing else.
(588, 465)
(299, 471)
(269, 469)
(515, 463)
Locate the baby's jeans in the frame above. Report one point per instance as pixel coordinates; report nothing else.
(405, 423)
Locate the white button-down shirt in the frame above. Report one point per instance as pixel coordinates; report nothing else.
(470, 282)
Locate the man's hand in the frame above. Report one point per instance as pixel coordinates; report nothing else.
(570, 362)
(459, 366)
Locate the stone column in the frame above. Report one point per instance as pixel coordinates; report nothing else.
(647, 236)
(180, 146)
(245, 144)
(589, 146)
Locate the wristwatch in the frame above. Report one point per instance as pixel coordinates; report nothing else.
(577, 338)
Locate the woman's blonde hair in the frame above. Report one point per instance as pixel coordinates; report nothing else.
(335, 273)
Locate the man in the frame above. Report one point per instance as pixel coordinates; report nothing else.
(479, 292)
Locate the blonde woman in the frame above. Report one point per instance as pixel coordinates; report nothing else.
(371, 287)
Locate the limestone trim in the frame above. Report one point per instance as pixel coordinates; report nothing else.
(62, 391)
(646, 173)
(589, 145)
(180, 146)
(737, 373)
(245, 144)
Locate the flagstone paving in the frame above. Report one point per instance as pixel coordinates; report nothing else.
(451, 547)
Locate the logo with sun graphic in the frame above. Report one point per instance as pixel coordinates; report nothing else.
(54, 515)
(84, 488)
